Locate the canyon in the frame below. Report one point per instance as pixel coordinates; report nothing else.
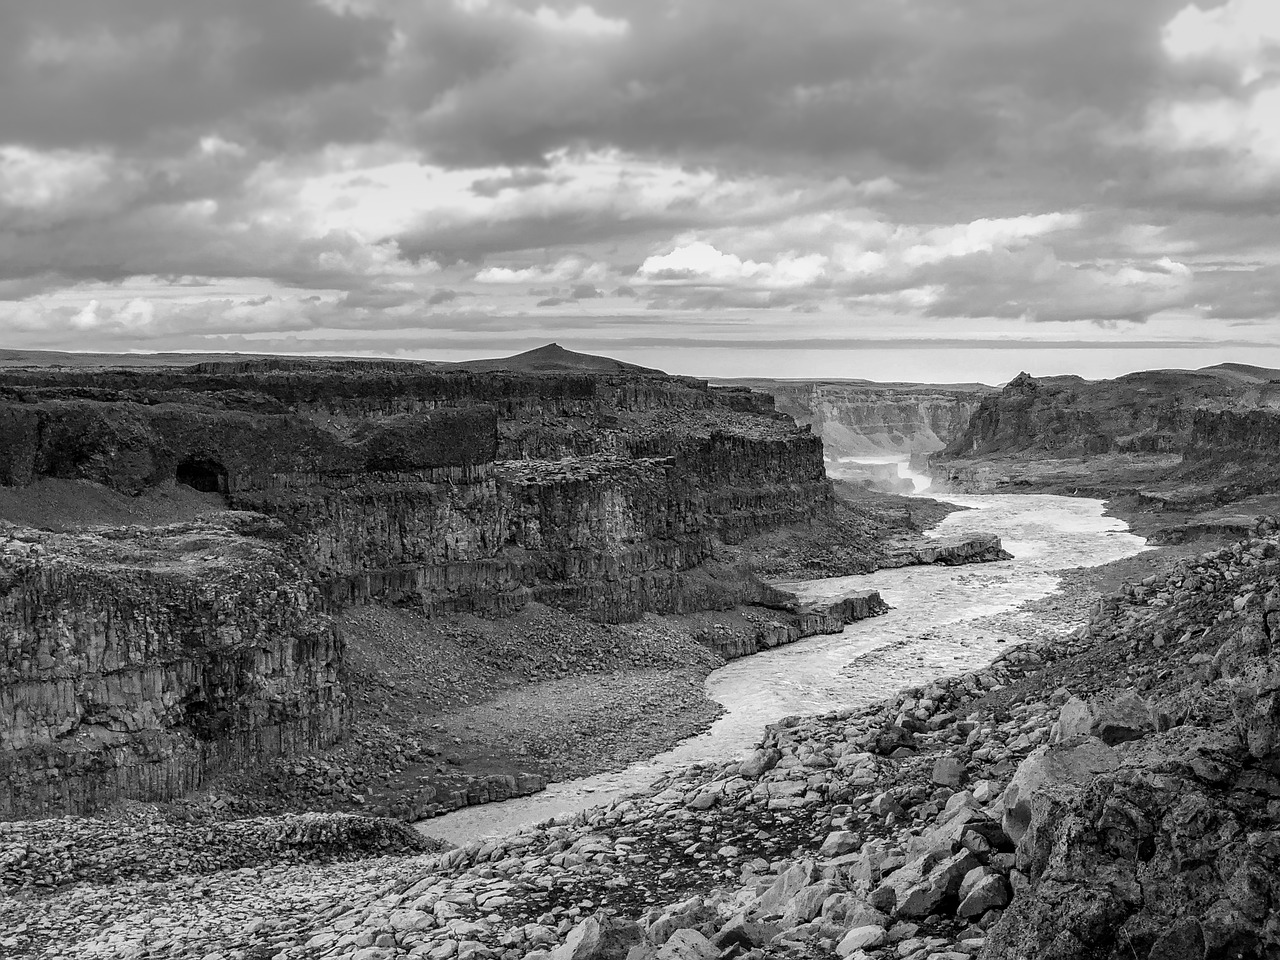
(263, 499)
(868, 428)
(247, 556)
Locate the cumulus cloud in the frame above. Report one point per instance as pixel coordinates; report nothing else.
(566, 269)
(297, 169)
(699, 261)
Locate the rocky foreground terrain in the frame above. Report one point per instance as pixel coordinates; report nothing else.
(1108, 790)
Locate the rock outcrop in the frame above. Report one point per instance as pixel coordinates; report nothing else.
(138, 662)
(455, 491)
(142, 660)
(1171, 436)
(859, 418)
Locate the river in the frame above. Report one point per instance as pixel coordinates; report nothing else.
(928, 634)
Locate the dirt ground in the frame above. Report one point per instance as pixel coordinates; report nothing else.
(65, 505)
(442, 701)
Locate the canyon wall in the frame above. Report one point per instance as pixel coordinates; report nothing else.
(137, 663)
(858, 418)
(1145, 431)
(456, 490)
(143, 659)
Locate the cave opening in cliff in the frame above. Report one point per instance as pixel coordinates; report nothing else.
(200, 473)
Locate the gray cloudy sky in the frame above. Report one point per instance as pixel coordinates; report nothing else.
(922, 189)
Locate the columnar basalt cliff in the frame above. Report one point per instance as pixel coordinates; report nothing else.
(142, 664)
(416, 484)
(138, 662)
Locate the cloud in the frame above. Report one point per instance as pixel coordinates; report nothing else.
(327, 168)
(134, 74)
(566, 269)
(699, 261)
(1241, 34)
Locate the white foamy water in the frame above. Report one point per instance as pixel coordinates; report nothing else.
(924, 637)
(920, 481)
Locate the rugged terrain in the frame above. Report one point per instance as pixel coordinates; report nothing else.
(1105, 790)
(860, 419)
(1162, 441)
(187, 552)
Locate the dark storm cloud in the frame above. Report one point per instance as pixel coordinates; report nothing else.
(77, 73)
(397, 155)
(915, 83)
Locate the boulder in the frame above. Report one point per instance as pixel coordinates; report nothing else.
(943, 882)
(1112, 719)
(687, 945)
(775, 900)
(1055, 765)
(839, 843)
(599, 937)
(990, 892)
(948, 771)
(1256, 708)
(759, 762)
(807, 903)
(862, 938)
(743, 931)
(848, 910)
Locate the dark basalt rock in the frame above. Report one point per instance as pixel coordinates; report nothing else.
(140, 660)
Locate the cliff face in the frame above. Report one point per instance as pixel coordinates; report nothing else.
(144, 659)
(1145, 430)
(136, 663)
(1066, 416)
(456, 490)
(869, 419)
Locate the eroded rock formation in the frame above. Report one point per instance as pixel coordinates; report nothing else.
(1170, 436)
(145, 658)
(137, 661)
(859, 418)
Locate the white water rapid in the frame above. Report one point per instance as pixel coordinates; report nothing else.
(923, 637)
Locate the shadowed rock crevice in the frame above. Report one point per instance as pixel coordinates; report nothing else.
(203, 474)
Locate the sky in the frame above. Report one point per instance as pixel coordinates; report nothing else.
(883, 189)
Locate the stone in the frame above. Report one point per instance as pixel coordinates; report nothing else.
(884, 804)
(862, 938)
(599, 937)
(839, 843)
(1112, 719)
(1067, 764)
(687, 945)
(759, 762)
(775, 900)
(990, 892)
(942, 883)
(745, 931)
(808, 902)
(948, 772)
(1182, 941)
(972, 879)
(849, 910)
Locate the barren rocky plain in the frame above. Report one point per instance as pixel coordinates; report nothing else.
(264, 620)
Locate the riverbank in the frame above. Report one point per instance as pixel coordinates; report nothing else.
(871, 833)
(457, 711)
